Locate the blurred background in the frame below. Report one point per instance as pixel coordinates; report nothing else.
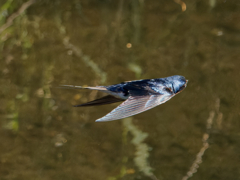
(47, 43)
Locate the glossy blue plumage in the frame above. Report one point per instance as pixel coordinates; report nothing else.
(138, 96)
(150, 86)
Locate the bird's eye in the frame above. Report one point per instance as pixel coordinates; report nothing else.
(168, 90)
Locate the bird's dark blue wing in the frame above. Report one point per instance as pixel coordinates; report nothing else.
(147, 87)
(101, 101)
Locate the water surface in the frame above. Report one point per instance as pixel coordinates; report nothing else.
(107, 42)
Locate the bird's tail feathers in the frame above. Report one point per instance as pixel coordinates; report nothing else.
(99, 88)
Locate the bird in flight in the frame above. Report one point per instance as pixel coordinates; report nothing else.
(138, 96)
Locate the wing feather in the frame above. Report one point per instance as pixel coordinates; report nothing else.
(134, 105)
(101, 101)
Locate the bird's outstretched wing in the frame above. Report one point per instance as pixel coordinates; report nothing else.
(134, 105)
(101, 101)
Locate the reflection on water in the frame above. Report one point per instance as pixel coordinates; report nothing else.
(45, 44)
(142, 149)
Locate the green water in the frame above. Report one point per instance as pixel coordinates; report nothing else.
(55, 42)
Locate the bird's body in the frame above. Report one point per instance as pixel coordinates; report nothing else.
(138, 96)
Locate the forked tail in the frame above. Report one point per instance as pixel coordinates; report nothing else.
(109, 99)
(99, 88)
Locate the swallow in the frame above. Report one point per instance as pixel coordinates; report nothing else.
(138, 95)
